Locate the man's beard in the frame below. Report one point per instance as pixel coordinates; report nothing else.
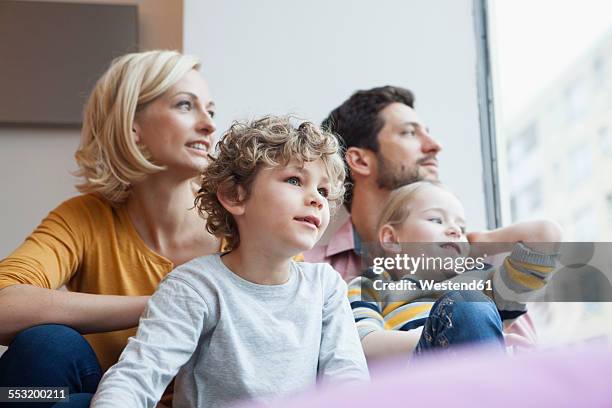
(392, 176)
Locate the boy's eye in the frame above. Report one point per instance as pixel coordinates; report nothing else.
(324, 192)
(184, 105)
(294, 180)
(437, 220)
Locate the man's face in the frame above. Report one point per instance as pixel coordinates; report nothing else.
(407, 152)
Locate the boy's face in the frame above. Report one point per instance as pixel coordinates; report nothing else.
(287, 209)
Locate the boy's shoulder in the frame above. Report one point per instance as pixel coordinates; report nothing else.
(323, 276)
(318, 270)
(203, 270)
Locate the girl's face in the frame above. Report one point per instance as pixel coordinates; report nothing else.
(177, 127)
(436, 221)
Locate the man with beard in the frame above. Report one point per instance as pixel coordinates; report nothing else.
(387, 146)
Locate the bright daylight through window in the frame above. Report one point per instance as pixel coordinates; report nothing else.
(552, 75)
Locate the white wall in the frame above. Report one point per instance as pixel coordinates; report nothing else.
(35, 163)
(306, 57)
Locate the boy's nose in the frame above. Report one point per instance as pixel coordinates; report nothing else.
(314, 199)
(316, 203)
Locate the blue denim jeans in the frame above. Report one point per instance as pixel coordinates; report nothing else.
(461, 318)
(51, 355)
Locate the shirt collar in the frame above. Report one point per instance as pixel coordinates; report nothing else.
(343, 240)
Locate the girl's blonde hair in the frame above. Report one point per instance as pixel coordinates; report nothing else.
(396, 209)
(108, 157)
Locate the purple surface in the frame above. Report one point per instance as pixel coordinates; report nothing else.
(561, 378)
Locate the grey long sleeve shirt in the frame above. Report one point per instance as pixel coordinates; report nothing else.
(231, 339)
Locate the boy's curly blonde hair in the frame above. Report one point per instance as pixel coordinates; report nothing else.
(246, 148)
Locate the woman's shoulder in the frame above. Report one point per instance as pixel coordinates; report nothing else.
(87, 215)
(83, 205)
(94, 210)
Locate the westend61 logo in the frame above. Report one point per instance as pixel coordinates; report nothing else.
(412, 264)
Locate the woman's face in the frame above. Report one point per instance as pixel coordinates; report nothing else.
(177, 127)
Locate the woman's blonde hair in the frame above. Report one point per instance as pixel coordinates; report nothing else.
(396, 208)
(108, 157)
(246, 148)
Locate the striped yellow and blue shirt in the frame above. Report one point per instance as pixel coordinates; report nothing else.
(513, 283)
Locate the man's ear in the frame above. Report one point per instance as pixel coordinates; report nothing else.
(359, 160)
(387, 238)
(234, 205)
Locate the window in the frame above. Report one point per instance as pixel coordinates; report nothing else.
(609, 207)
(526, 203)
(605, 140)
(580, 165)
(554, 84)
(576, 97)
(585, 224)
(521, 145)
(599, 72)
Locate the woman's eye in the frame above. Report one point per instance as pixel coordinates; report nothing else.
(463, 230)
(324, 192)
(409, 132)
(211, 114)
(185, 105)
(436, 220)
(294, 180)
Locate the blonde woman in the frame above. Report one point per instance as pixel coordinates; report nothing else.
(147, 131)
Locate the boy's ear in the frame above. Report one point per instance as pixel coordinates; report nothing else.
(234, 205)
(359, 160)
(387, 238)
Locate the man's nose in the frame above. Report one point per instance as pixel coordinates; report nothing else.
(429, 144)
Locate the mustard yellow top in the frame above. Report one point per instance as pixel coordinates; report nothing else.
(91, 247)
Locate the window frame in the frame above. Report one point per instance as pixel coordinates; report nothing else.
(496, 209)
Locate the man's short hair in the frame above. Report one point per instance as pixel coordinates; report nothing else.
(246, 148)
(357, 121)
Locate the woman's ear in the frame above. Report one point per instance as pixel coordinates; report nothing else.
(388, 240)
(136, 132)
(234, 205)
(359, 161)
